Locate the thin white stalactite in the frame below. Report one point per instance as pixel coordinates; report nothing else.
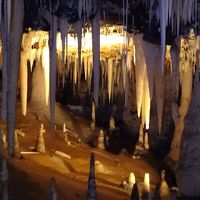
(77, 27)
(64, 32)
(159, 83)
(96, 57)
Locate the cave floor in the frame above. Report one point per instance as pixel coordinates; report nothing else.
(29, 177)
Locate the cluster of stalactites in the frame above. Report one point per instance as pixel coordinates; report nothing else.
(34, 48)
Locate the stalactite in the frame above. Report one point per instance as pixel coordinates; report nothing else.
(64, 33)
(159, 83)
(96, 57)
(90, 68)
(23, 81)
(53, 58)
(139, 69)
(78, 30)
(15, 38)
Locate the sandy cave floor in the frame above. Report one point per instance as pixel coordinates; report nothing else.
(29, 177)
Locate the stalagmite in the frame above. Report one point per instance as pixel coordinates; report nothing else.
(146, 141)
(135, 193)
(23, 81)
(101, 144)
(156, 195)
(17, 153)
(131, 181)
(96, 57)
(147, 183)
(164, 189)
(139, 69)
(40, 145)
(141, 134)
(53, 189)
(91, 192)
(15, 38)
(112, 123)
(4, 180)
(65, 133)
(92, 125)
(53, 58)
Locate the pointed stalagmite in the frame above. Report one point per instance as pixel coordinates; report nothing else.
(53, 189)
(146, 141)
(141, 134)
(92, 124)
(40, 146)
(65, 133)
(112, 123)
(135, 193)
(146, 188)
(164, 189)
(91, 192)
(131, 181)
(157, 193)
(17, 153)
(101, 144)
(4, 180)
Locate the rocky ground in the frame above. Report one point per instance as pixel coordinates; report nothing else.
(29, 177)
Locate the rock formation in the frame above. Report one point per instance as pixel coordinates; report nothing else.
(187, 173)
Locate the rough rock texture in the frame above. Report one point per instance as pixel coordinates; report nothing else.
(189, 163)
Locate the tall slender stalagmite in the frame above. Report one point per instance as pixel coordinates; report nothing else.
(91, 192)
(15, 38)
